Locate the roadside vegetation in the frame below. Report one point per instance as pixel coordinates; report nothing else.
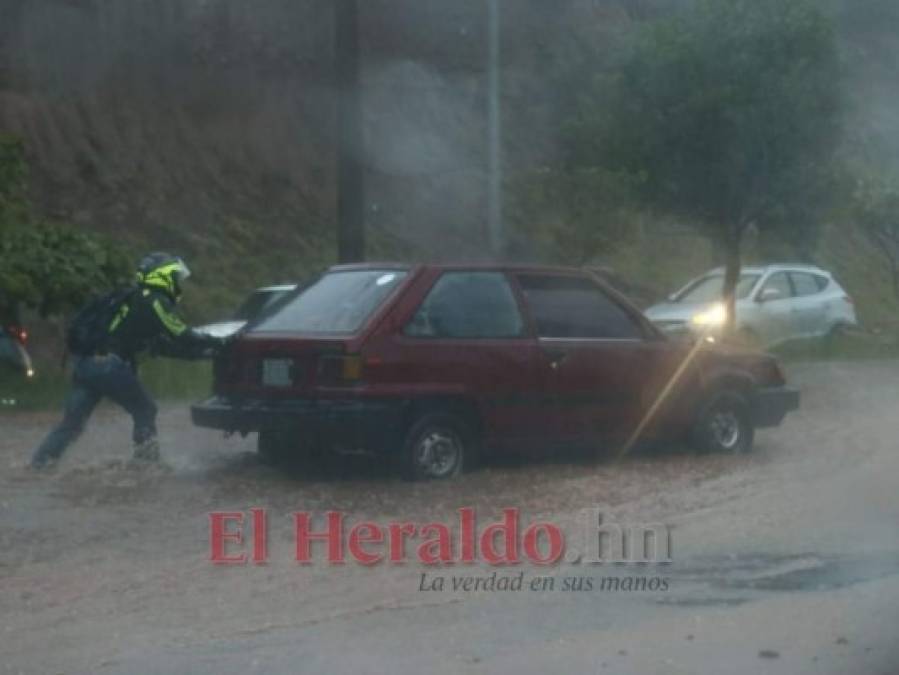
(687, 136)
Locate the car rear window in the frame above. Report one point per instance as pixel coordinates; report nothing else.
(338, 303)
(805, 284)
(781, 282)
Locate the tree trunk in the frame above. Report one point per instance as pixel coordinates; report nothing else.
(888, 242)
(350, 180)
(731, 278)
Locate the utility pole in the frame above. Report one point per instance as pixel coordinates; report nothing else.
(350, 177)
(494, 134)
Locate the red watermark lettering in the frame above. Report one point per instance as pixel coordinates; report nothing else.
(511, 540)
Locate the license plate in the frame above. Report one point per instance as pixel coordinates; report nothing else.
(277, 372)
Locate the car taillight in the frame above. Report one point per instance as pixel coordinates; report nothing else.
(340, 369)
(18, 333)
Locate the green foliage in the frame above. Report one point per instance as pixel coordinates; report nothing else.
(730, 110)
(45, 266)
(53, 268)
(855, 347)
(575, 213)
(875, 208)
(13, 174)
(727, 114)
(177, 380)
(166, 380)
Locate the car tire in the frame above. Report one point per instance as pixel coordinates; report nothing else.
(437, 447)
(724, 424)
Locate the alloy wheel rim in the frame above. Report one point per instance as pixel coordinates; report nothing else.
(438, 453)
(725, 428)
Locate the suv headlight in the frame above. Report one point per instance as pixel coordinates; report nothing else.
(714, 316)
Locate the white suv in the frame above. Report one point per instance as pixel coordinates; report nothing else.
(775, 303)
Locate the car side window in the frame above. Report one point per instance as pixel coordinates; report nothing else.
(575, 307)
(781, 282)
(468, 305)
(804, 284)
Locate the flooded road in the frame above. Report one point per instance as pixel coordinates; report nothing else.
(784, 561)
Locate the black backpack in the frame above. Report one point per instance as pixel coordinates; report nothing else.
(88, 331)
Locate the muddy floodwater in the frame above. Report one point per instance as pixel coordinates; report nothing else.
(784, 560)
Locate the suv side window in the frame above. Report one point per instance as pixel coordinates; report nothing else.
(805, 284)
(468, 305)
(779, 281)
(575, 307)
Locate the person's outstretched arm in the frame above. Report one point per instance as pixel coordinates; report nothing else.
(177, 339)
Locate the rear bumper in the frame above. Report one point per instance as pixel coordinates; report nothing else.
(347, 422)
(771, 405)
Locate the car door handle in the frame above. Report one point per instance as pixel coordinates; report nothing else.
(556, 357)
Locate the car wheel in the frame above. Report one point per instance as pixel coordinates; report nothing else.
(436, 447)
(724, 424)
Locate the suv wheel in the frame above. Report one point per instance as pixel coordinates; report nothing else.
(436, 447)
(724, 424)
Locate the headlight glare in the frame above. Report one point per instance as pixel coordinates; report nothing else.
(715, 316)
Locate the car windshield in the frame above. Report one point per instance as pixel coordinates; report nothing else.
(339, 302)
(709, 289)
(258, 302)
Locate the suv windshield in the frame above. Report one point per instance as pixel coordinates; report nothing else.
(339, 302)
(708, 289)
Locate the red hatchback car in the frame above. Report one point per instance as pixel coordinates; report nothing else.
(430, 364)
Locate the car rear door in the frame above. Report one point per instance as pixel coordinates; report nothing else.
(595, 361)
(777, 317)
(468, 339)
(811, 312)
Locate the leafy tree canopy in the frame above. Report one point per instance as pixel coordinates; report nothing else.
(728, 109)
(728, 112)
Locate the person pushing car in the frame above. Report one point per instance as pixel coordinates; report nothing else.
(107, 336)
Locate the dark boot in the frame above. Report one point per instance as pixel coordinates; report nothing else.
(147, 451)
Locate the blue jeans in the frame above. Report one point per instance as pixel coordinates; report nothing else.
(94, 378)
